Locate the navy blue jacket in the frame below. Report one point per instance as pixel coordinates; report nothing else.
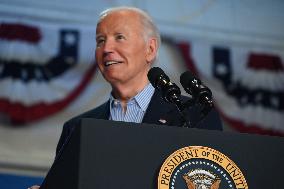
(158, 112)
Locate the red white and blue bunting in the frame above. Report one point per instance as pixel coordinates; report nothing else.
(43, 67)
(247, 83)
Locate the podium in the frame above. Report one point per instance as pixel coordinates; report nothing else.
(104, 154)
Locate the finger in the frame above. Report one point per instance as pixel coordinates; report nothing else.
(34, 187)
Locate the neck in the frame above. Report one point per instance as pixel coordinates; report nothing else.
(125, 92)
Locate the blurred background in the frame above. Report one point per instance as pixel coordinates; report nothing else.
(48, 73)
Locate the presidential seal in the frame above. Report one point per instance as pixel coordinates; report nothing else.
(199, 167)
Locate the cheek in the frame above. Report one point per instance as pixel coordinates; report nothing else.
(101, 68)
(139, 60)
(98, 58)
(135, 56)
(97, 54)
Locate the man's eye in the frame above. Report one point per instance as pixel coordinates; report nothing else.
(100, 41)
(120, 37)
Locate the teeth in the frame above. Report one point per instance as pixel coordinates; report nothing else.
(108, 63)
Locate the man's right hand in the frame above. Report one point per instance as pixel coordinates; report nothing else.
(34, 187)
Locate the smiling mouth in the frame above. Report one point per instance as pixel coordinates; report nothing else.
(109, 63)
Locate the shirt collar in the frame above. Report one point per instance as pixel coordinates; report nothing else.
(143, 98)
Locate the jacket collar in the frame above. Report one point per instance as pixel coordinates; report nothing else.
(157, 110)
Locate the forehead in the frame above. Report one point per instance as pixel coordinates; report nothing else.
(118, 20)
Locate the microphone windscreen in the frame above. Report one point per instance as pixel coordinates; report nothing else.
(153, 74)
(186, 78)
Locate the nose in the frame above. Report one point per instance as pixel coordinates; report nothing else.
(108, 47)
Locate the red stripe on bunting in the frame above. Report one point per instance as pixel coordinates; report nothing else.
(20, 113)
(21, 32)
(249, 128)
(265, 62)
(185, 50)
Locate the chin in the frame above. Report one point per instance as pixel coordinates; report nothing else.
(112, 79)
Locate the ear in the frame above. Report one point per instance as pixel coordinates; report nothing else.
(151, 51)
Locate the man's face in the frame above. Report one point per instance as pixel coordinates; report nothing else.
(121, 51)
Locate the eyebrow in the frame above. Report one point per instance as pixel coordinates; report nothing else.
(99, 36)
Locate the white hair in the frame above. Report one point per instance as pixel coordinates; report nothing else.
(150, 30)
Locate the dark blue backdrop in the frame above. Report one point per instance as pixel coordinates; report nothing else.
(9, 181)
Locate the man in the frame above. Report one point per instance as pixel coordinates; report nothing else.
(127, 46)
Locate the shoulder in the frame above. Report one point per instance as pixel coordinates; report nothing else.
(211, 121)
(169, 111)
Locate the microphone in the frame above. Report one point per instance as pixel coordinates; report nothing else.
(200, 93)
(170, 91)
